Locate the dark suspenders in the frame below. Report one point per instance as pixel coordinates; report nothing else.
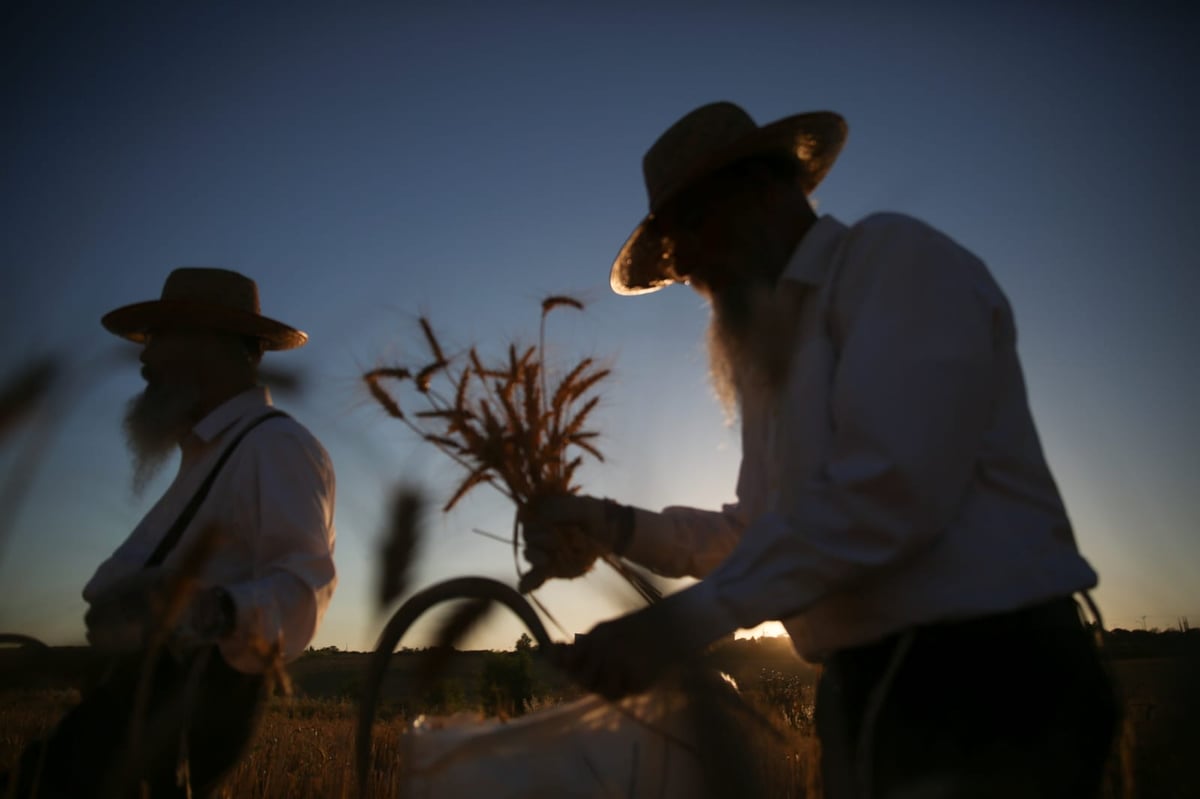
(173, 535)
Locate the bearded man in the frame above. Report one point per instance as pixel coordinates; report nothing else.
(894, 507)
(228, 575)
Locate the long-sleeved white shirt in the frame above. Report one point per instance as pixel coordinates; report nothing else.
(272, 505)
(896, 478)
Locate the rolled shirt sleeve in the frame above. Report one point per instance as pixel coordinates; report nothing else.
(285, 496)
(684, 542)
(914, 324)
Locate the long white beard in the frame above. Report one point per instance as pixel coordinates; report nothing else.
(155, 421)
(750, 340)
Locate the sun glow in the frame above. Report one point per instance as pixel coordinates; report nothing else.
(768, 629)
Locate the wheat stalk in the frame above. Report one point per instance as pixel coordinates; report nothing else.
(499, 421)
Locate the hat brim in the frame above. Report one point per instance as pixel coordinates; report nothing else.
(814, 139)
(134, 322)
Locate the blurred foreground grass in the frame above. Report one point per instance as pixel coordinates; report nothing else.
(305, 749)
(305, 746)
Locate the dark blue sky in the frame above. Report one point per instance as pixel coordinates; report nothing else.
(369, 165)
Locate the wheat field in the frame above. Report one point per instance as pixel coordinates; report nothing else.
(304, 749)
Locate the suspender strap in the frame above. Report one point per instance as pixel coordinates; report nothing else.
(173, 535)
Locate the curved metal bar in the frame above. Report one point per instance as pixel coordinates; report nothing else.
(22, 640)
(477, 588)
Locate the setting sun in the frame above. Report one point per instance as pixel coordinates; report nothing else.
(768, 629)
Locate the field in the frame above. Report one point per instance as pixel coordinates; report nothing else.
(306, 743)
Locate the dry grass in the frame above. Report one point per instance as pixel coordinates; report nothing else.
(28, 715)
(304, 749)
(305, 746)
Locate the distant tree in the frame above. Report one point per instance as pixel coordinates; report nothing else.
(506, 682)
(325, 650)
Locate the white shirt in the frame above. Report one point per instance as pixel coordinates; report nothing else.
(896, 478)
(272, 503)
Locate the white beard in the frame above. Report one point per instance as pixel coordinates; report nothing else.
(750, 340)
(155, 421)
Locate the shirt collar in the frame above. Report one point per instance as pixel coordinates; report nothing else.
(230, 412)
(813, 257)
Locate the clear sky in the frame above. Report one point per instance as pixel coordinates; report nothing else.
(372, 164)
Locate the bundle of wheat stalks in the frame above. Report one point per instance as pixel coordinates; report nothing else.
(508, 428)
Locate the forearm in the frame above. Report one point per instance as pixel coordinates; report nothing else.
(277, 614)
(831, 538)
(683, 542)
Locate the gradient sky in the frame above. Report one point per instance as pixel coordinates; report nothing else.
(370, 165)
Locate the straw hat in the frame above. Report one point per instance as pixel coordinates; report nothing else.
(208, 298)
(707, 139)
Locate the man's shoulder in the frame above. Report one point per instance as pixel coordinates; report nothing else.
(283, 433)
(285, 424)
(887, 239)
(898, 226)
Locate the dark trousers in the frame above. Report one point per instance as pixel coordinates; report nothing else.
(1013, 705)
(199, 711)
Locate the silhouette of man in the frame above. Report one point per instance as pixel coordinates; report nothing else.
(894, 507)
(227, 575)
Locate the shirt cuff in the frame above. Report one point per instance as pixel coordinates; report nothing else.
(697, 616)
(246, 646)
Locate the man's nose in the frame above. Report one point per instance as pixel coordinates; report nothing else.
(149, 353)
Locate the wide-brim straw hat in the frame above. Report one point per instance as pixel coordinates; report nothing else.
(711, 137)
(205, 298)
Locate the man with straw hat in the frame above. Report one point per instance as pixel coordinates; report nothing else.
(894, 507)
(226, 577)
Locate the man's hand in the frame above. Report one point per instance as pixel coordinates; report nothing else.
(628, 655)
(122, 619)
(209, 617)
(565, 533)
(125, 617)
